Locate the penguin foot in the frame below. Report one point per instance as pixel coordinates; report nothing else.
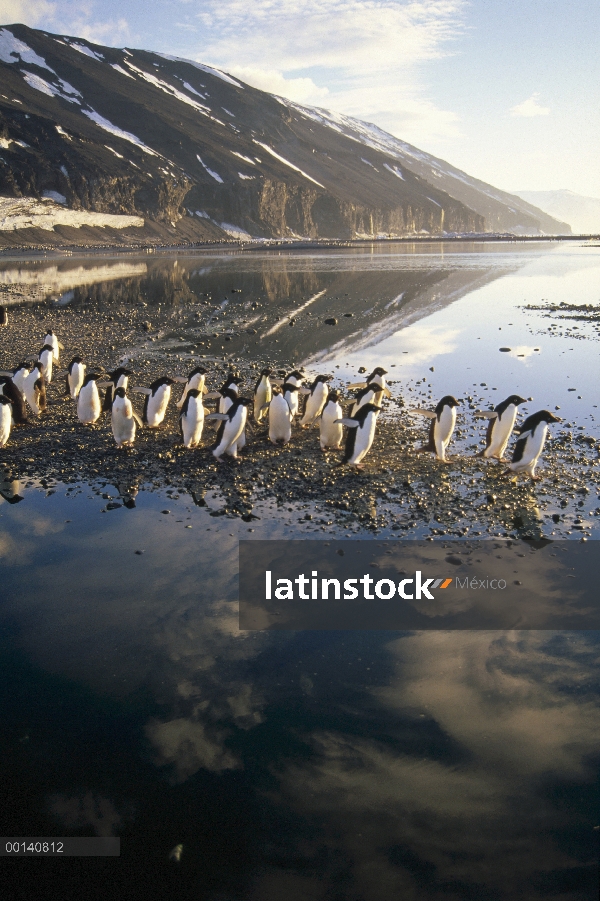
(536, 478)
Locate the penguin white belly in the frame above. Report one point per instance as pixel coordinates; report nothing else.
(30, 392)
(315, 403)
(280, 420)
(122, 421)
(532, 449)
(501, 432)
(192, 422)
(231, 433)
(5, 422)
(19, 378)
(76, 377)
(264, 395)
(46, 359)
(88, 403)
(442, 432)
(331, 433)
(52, 340)
(196, 382)
(291, 398)
(369, 398)
(157, 406)
(363, 440)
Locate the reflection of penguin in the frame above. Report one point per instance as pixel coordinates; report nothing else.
(501, 424)
(280, 420)
(191, 418)
(75, 376)
(10, 390)
(235, 423)
(46, 357)
(5, 419)
(157, 401)
(88, 400)
(9, 489)
(361, 432)
(3, 316)
(331, 432)
(263, 394)
(123, 419)
(530, 444)
(316, 399)
(443, 420)
(120, 379)
(54, 343)
(34, 389)
(194, 380)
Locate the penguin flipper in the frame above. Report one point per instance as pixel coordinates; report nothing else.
(485, 414)
(357, 385)
(212, 395)
(221, 416)
(303, 390)
(137, 419)
(180, 378)
(137, 390)
(351, 423)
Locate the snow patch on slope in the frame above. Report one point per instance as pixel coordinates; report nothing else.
(27, 212)
(287, 163)
(101, 122)
(121, 70)
(208, 69)
(173, 92)
(87, 51)
(11, 48)
(215, 175)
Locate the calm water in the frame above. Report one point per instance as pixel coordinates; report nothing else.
(342, 766)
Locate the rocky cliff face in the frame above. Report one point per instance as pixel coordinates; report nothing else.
(201, 156)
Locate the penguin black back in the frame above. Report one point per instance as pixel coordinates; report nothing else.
(10, 391)
(360, 417)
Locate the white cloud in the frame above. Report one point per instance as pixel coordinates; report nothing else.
(27, 12)
(301, 90)
(369, 53)
(530, 108)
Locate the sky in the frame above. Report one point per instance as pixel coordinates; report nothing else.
(507, 90)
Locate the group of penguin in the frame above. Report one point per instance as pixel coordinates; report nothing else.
(275, 400)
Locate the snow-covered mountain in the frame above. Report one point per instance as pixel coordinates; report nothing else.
(582, 213)
(198, 155)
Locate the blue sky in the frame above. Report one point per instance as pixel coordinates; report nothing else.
(509, 90)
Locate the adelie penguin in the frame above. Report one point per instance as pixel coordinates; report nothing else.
(280, 419)
(191, 418)
(123, 419)
(500, 426)
(443, 420)
(157, 401)
(5, 419)
(195, 380)
(20, 374)
(235, 423)
(34, 389)
(118, 378)
(290, 393)
(366, 395)
(75, 376)
(528, 449)
(89, 406)
(377, 380)
(330, 427)
(316, 400)
(361, 432)
(54, 343)
(9, 390)
(263, 394)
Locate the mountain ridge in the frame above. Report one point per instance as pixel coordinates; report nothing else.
(200, 156)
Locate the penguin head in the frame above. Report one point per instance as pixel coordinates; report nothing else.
(38, 365)
(76, 359)
(49, 332)
(323, 379)
(378, 371)
(163, 380)
(120, 392)
(333, 397)
(296, 374)
(364, 411)
(46, 347)
(117, 373)
(546, 416)
(515, 399)
(91, 377)
(199, 370)
(448, 401)
(266, 372)
(193, 392)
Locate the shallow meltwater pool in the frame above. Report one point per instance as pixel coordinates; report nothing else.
(259, 765)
